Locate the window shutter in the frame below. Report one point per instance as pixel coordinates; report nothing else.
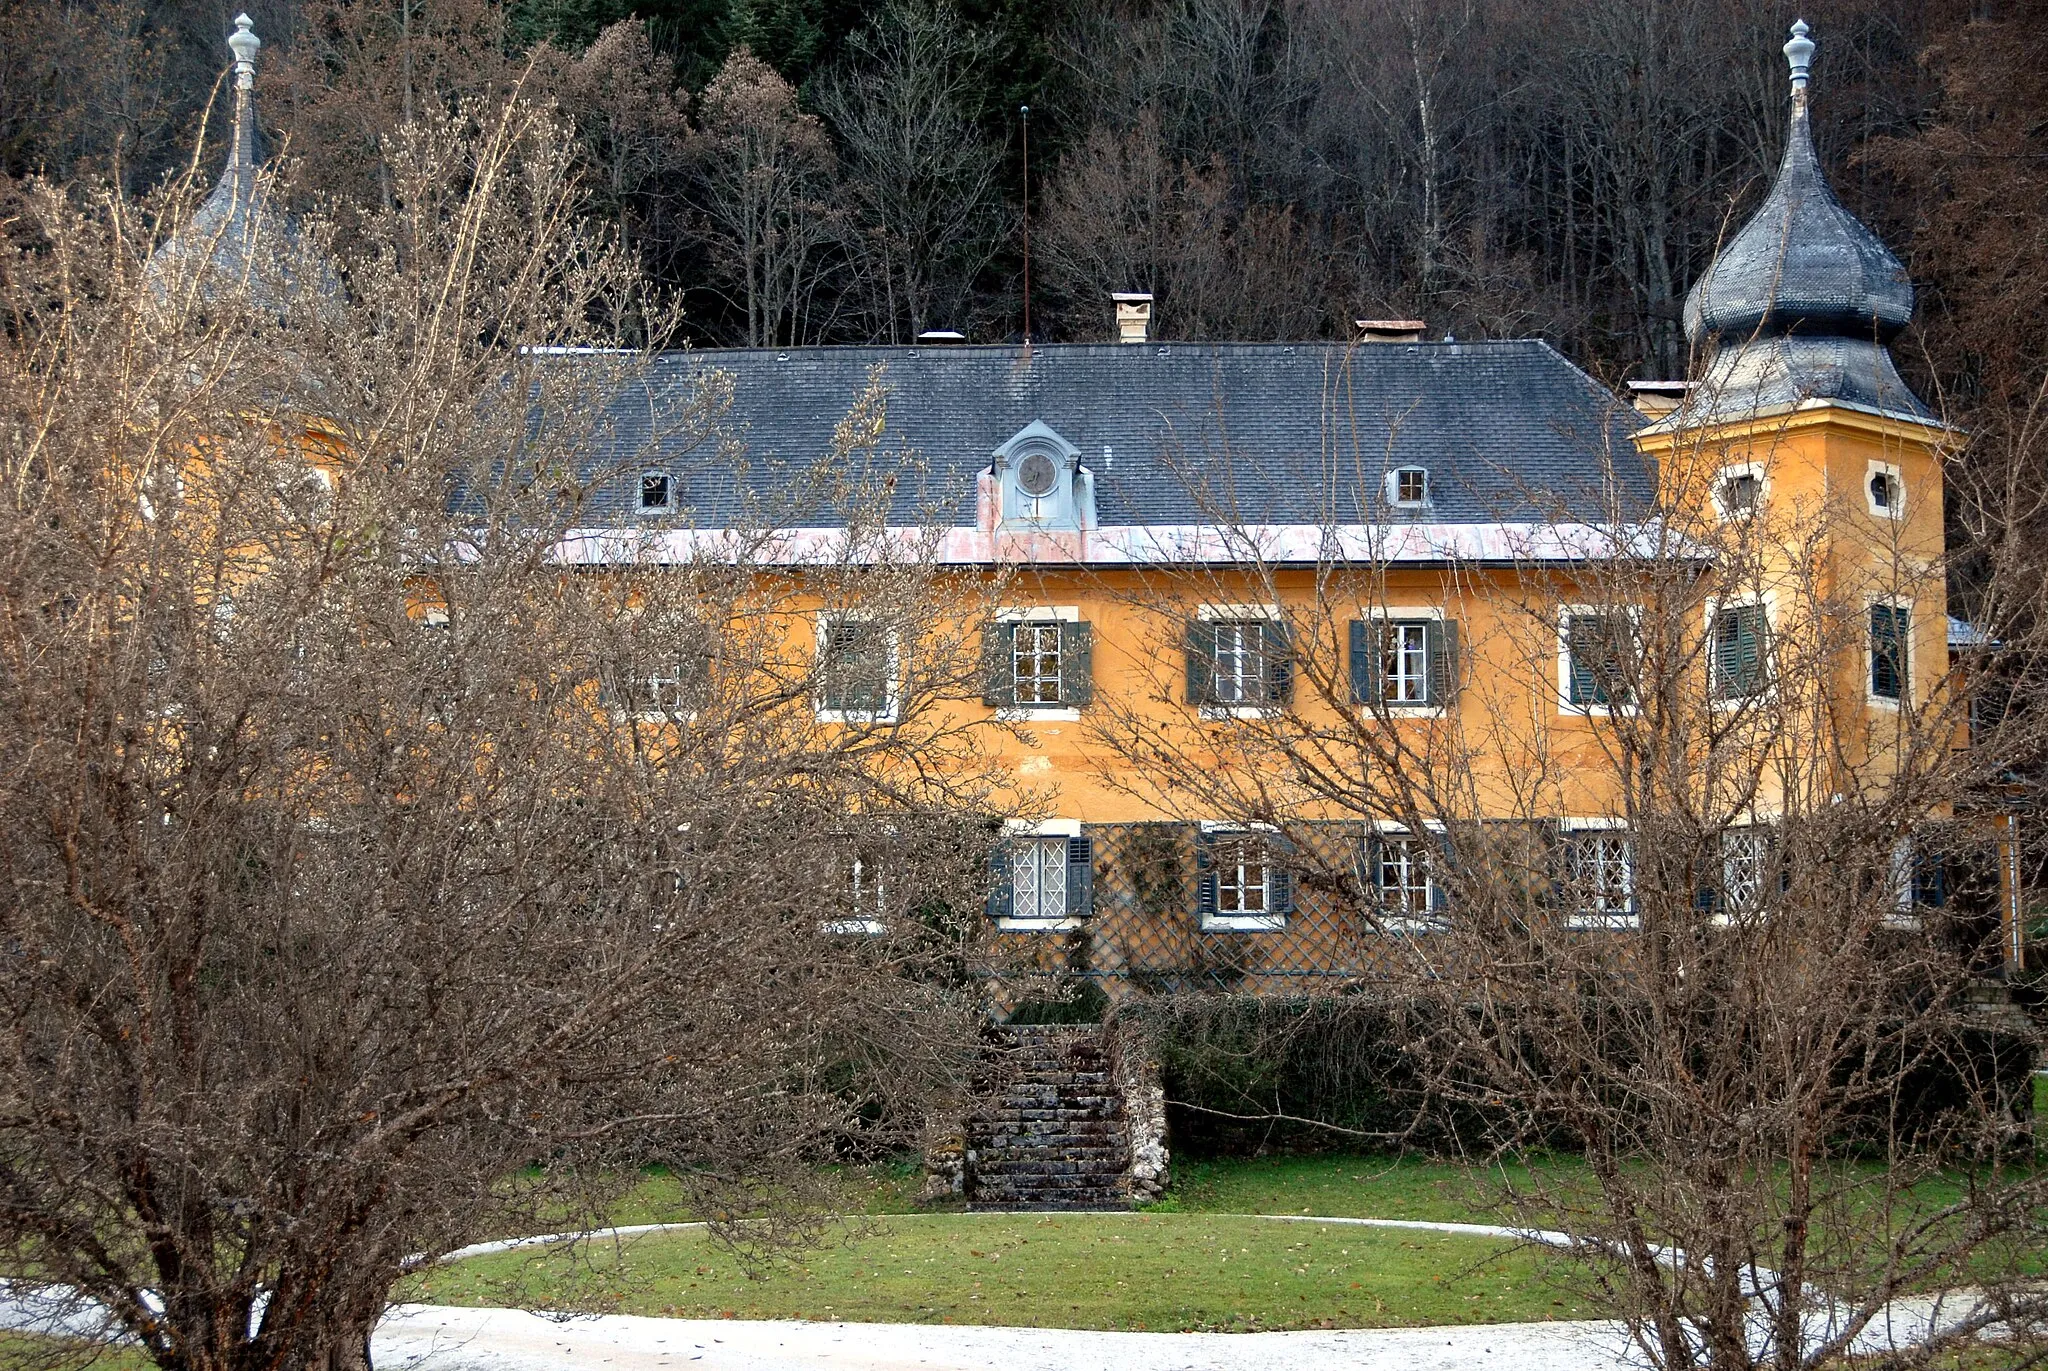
(1443, 661)
(1002, 895)
(1077, 664)
(1279, 875)
(1365, 663)
(1749, 646)
(1080, 877)
(1205, 877)
(998, 664)
(1277, 641)
(1201, 646)
(1373, 848)
(1439, 896)
(1583, 646)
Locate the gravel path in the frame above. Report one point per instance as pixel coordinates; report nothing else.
(435, 1338)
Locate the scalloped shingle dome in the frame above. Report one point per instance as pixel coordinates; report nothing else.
(238, 236)
(1801, 264)
(1799, 304)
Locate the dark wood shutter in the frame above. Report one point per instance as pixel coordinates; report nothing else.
(998, 664)
(1201, 649)
(1077, 664)
(1276, 641)
(1205, 877)
(1279, 875)
(1002, 895)
(1080, 877)
(1442, 636)
(1890, 670)
(1366, 669)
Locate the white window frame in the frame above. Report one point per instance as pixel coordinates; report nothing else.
(1046, 830)
(862, 922)
(1218, 832)
(1759, 838)
(1421, 847)
(1565, 704)
(1039, 614)
(1767, 688)
(620, 714)
(1378, 616)
(668, 489)
(1897, 483)
(1870, 695)
(1394, 487)
(1237, 614)
(1731, 472)
(1578, 916)
(893, 691)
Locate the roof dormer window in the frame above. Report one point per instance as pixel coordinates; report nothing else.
(657, 492)
(1408, 487)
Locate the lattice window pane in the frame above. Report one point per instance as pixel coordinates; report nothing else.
(1240, 663)
(1038, 876)
(1035, 658)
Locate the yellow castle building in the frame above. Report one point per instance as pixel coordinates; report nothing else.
(1210, 554)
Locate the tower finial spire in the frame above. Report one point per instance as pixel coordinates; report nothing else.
(1799, 52)
(243, 42)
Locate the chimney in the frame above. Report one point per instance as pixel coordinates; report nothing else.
(936, 336)
(1655, 399)
(1133, 316)
(1389, 330)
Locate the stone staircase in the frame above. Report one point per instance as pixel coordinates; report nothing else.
(1049, 1129)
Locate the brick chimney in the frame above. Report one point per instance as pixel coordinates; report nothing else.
(1133, 316)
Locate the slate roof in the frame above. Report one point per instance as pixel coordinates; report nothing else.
(1173, 433)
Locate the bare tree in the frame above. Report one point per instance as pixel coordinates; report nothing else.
(920, 170)
(765, 171)
(1612, 824)
(386, 868)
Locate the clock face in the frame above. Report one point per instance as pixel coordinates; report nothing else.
(1036, 474)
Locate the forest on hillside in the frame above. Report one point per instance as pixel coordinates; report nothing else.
(821, 171)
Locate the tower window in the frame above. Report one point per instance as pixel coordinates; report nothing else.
(657, 492)
(1740, 492)
(1886, 491)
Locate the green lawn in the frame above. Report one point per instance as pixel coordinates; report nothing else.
(1157, 1271)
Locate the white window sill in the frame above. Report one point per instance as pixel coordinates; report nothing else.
(1244, 923)
(858, 717)
(1404, 710)
(1216, 713)
(1881, 702)
(1067, 925)
(1585, 922)
(1040, 714)
(1408, 923)
(653, 716)
(1568, 709)
(853, 927)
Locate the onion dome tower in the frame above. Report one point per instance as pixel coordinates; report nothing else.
(1800, 304)
(238, 238)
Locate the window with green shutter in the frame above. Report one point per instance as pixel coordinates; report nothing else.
(1034, 663)
(856, 669)
(1738, 658)
(1890, 630)
(1599, 657)
(1240, 663)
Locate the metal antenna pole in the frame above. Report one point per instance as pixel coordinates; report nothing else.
(1025, 111)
